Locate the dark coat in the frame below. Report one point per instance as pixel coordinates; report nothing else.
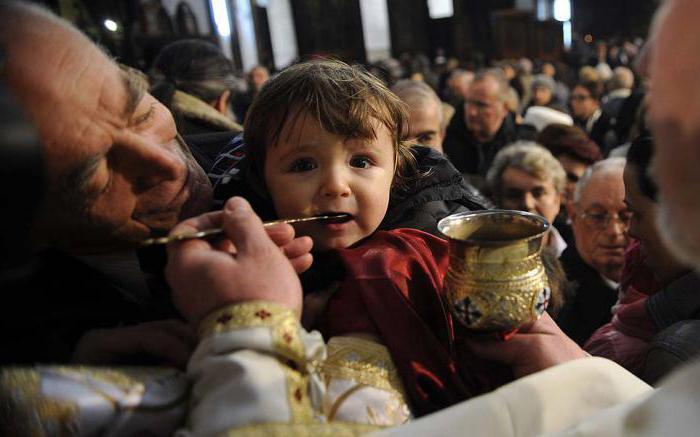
(57, 298)
(427, 199)
(601, 132)
(466, 153)
(192, 115)
(588, 306)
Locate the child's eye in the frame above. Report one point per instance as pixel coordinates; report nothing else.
(361, 162)
(302, 165)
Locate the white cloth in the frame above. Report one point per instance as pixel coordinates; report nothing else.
(541, 116)
(671, 410)
(556, 242)
(549, 401)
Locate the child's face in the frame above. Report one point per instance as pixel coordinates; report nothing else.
(311, 171)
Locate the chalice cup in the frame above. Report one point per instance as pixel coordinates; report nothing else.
(496, 281)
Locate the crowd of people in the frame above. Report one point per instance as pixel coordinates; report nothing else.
(343, 327)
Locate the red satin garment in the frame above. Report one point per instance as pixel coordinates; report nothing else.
(393, 289)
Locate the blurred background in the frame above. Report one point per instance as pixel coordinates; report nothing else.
(276, 33)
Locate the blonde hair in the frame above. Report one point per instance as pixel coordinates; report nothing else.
(529, 157)
(345, 100)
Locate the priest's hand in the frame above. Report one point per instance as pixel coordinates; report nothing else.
(249, 264)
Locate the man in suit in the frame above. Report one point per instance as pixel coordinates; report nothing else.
(600, 221)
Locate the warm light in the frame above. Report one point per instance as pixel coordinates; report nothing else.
(567, 34)
(221, 17)
(562, 10)
(111, 25)
(588, 38)
(440, 8)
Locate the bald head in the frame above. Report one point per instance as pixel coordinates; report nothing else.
(40, 46)
(486, 105)
(459, 82)
(622, 78)
(425, 112)
(115, 170)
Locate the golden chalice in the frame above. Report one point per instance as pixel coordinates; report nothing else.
(496, 281)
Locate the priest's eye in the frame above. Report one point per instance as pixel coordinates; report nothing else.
(302, 165)
(361, 162)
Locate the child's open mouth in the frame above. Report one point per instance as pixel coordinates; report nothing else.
(336, 217)
(336, 220)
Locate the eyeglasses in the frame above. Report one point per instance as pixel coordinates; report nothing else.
(579, 97)
(601, 221)
(478, 104)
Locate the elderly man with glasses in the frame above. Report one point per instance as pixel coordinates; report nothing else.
(600, 222)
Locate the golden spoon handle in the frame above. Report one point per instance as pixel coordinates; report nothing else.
(214, 231)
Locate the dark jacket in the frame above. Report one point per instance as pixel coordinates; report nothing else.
(466, 153)
(601, 133)
(588, 306)
(57, 298)
(441, 191)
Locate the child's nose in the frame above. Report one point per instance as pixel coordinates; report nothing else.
(335, 185)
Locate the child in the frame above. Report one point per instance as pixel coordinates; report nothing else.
(326, 137)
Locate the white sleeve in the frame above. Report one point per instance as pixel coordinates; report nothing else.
(254, 365)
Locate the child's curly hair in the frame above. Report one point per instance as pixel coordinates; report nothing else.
(345, 100)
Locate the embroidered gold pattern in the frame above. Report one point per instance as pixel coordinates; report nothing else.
(363, 361)
(262, 314)
(332, 429)
(33, 413)
(284, 329)
(244, 315)
(224, 319)
(369, 366)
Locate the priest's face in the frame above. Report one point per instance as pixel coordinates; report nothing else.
(674, 113)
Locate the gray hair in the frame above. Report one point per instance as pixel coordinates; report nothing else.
(495, 74)
(458, 73)
(606, 165)
(410, 90)
(529, 157)
(622, 78)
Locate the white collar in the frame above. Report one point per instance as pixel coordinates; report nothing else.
(622, 92)
(556, 242)
(609, 282)
(591, 121)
